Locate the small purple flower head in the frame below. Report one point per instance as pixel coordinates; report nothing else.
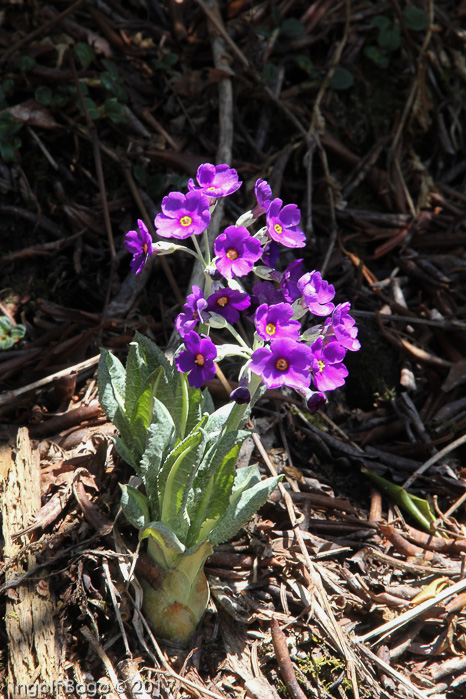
(265, 292)
(317, 293)
(283, 363)
(228, 303)
(215, 180)
(139, 244)
(183, 215)
(194, 312)
(271, 254)
(237, 251)
(342, 327)
(289, 280)
(328, 372)
(241, 394)
(282, 224)
(275, 322)
(263, 192)
(197, 358)
(315, 401)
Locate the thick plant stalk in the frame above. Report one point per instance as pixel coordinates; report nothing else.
(177, 606)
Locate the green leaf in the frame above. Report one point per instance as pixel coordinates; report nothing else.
(292, 27)
(43, 95)
(416, 19)
(341, 79)
(111, 377)
(167, 62)
(26, 63)
(91, 107)
(7, 153)
(418, 508)
(126, 453)
(84, 53)
(305, 63)
(161, 438)
(377, 56)
(175, 480)
(389, 33)
(9, 126)
(114, 111)
(243, 506)
(213, 485)
(135, 506)
(164, 546)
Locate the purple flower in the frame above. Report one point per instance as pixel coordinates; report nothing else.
(289, 280)
(139, 244)
(215, 180)
(198, 359)
(193, 312)
(327, 369)
(317, 293)
(228, 303)
(263, 193)
(271, 253)
(265, 292)
(283, 363)
(241, 394)
(237, 251)
(183, 215)
(275, 322)
(341, 327)
(282, 224)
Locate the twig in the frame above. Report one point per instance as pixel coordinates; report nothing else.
(284, 662)
(404, 618)
(111, 588)
(43, 30)
(8, 396)
(433, 460)
(93, 641)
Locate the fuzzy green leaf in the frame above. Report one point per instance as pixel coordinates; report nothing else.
(135, 506)
(111, 377)
(164, 547)
(241, 509)
(213, 485)
(176, 477)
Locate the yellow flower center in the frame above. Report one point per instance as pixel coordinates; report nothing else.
(278, 229)
(321, 366)
(185, 221)
(232, 254)
(282, 364)
(270, 329)
(200, 359)
(145, 248)
(222, 301)
(210, 189)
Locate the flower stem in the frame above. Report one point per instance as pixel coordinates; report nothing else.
(199, 252)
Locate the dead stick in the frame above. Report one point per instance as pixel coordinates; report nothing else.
(284, 662)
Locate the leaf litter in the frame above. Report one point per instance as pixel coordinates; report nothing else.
(343, 585)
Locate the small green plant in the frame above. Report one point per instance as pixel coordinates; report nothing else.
(389, 34)
(184, 453)
(10, 333)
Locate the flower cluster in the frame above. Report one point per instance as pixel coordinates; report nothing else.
(279, 350)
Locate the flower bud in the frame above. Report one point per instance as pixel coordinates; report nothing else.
(162, 248)
(315, 401)
(241, 395)
(213, 273)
